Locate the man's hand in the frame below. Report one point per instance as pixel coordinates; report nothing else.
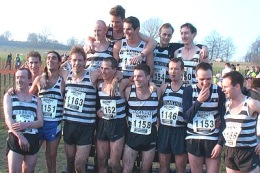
(204, 52)
(100, 113)
(11, 91)
(136, 60)
(204, 94)
(216, 151)
(23, 143)
(20, 126)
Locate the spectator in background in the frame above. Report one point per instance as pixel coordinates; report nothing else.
(226, 69)
(251, 72)
(8, 61)
(238, 67)
(257, 70)
(246, 70)
(17, 63)
(65, 64)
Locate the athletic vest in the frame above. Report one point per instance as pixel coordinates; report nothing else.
(240, 128)
(99, 56)
(171, 112)
(142, 114)
(203, 124)
(161, 65)
(25, 112)
(113, 107)
(80, 100)
(125, 55)
(52, 102)
(189, 67)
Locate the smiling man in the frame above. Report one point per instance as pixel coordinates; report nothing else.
(203, 105)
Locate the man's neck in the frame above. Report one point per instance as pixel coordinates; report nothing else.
(189, 46)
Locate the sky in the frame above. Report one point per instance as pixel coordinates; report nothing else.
(235, 19)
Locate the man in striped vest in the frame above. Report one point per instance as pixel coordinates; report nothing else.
(203, 106)
(240, 132)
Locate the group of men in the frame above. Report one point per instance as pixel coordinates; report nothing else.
(115, 95)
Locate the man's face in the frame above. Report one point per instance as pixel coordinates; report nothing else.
(34, 65)
(165, 36)
(52, 61)
(100, 31)
(228, 89)
(77, 62)
(204, 78)
(117, 23)
(21, 80)
(107, 72)
(186, 35)
(129, 31)
(175, 71)
(140, 79)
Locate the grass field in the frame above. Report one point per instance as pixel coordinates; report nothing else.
(61, 159)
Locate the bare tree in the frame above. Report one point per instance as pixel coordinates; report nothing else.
(228, 49)
(44, 36)
(213, 42)
(72, 41)
(151, 27)
(32, 37)
(253, 54)
(6, 36)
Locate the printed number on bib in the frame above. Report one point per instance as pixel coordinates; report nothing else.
(75, 100)
(203, 122)
(49, 107)
(26, 118)
(126, 61)
(159, 75)
(141, 124)
(109, 108)
(187, 78)
(168, 115)
(231, 133)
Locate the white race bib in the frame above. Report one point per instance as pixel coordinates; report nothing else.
(109, 108)
(75, 100)
(203, 122)
(169, 115)
(141, 124)
(26, 118)
(231, 133)
(159, 75)
(49, 107)
(187, 77)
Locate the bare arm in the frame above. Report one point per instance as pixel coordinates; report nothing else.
(35, 86)
(254, 107)
(149, 62)
(127, 92)
(151, 43)
(116, 49)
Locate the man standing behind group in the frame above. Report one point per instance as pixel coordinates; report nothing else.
(190, 53)
(79, 111)
(203, 106)
(23, 117)
(128, 51)
(102, 47)
(141, 134)
(240, 133)
(116, 32)
(172, 129)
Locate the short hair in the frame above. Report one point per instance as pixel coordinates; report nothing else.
(28, 72)
(235, 77)
(113, 61)
(166, 25)
(176, 60)
(78, 50)
(144, 67)
(191, 27)
(133, 20)
(56, 53)
(204, 66)
(228, 64)
(255, 83)
(34, 54)
(117, 11)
